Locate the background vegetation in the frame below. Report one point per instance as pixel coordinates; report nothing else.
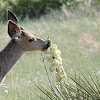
(36, 8)
(77, 32)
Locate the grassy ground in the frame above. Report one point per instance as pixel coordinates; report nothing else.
(78, 38)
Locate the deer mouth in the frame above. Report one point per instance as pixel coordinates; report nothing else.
(47, 46)
(43, 49)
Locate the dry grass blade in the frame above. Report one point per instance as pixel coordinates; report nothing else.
(40, 97)
(43, 91)
(79, 90)
(60, 93)
(97, 86)
(81, 85)
(92, 88)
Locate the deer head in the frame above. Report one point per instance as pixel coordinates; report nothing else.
(26, 40)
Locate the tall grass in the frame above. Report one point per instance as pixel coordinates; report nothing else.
(69, 32)
(77, 87)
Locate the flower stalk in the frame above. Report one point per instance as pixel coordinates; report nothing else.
(55, 60)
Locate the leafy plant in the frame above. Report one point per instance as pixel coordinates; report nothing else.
(75, 88)
(36, 8)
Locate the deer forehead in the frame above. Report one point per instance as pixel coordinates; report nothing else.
(28, 34)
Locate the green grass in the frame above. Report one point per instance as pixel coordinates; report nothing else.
(65, 32)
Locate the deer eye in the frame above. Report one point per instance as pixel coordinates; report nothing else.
(22, 33)
(31, 40)
(21, 28)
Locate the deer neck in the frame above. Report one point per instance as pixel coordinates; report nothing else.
(9, 56)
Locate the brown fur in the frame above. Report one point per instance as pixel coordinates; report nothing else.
(19, 43)
(8, 57)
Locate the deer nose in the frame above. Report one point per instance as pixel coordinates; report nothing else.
(48, 44)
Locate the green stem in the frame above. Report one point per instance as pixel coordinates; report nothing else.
(43, 59)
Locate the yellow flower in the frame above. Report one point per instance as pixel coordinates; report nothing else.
(55, 62)
(52, 68)
(59, 69)
(47, 51)
(65, 75)
(61, 72)
(62, 76)
(59, 59)
(53, 47)
(49, 59)
(56, 53)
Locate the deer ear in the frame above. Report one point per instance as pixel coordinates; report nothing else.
(13, 30)
(12, 16)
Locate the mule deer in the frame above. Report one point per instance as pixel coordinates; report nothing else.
(21, 41)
